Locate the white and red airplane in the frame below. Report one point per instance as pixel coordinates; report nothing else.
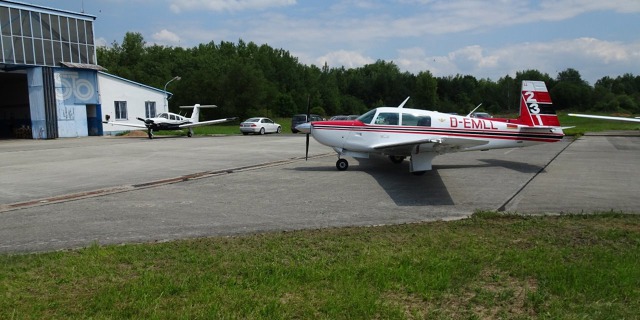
(172, 121)
(421, 135)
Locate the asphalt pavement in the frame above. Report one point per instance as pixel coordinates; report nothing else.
(70, 193)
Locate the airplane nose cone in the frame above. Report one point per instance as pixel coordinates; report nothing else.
(304, 128)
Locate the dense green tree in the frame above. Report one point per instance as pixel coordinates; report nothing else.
(246, 79)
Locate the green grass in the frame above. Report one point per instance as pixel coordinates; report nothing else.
(486, 267)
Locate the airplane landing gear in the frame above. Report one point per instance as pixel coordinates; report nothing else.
(342, 164)
(190, 133)
(396, 159)
(150, 133)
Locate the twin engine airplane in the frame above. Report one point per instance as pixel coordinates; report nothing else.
(172, 121)
(422, 135)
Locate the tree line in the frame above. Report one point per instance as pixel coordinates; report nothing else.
(247, 79)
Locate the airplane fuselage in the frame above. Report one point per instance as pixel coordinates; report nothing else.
(394, 126)
(166, 121)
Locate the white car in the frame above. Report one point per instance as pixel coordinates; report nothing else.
(259, 125)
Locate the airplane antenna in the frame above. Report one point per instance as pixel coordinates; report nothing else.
(472, 111)
(403, 102)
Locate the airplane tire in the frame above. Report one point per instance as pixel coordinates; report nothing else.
(342, 164)
(396, 159)
(189, 134)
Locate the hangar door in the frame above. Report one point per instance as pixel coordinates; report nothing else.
(15, 118)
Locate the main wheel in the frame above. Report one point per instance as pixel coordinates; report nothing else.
(396, 159)
(150, 134)
(342, 164)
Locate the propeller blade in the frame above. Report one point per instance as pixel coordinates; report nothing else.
(306, 154)
(146, 121)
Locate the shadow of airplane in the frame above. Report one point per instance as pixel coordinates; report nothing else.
(429, 189)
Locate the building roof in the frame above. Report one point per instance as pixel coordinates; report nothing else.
(32, 7)
(134, 83)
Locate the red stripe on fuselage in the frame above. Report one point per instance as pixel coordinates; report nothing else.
(478, 134)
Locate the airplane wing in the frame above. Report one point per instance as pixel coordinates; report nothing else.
(441, 145)
(604, 117)
(126, 124)
(206, 123)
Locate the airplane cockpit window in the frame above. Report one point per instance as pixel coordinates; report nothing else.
(409, 119)
(163, 115)
(367, 117)
(172, 117)
(388, 118)
(424, 121)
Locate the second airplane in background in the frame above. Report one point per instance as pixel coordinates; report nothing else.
(172, 121)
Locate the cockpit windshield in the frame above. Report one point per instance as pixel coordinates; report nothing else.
(367, 117)
(163, 115)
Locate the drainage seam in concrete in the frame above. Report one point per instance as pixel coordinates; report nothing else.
(139, 186)
(503, 207)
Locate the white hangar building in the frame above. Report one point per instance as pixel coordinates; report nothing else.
(51, 83)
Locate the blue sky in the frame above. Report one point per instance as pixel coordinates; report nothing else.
(485, 39)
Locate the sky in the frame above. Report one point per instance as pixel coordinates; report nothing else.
(483, 38)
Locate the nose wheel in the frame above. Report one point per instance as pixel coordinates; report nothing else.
(342, 164)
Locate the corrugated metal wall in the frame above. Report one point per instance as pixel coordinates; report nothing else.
(50, 109)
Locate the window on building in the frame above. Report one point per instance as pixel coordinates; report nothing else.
(121, 110)
(37, 38)
(150, 109)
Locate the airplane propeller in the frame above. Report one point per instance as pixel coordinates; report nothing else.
(306, 155)
(146, 121)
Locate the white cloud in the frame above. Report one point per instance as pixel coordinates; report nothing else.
(593, 58)
(166, 36)
(348, 59)
(178, 6)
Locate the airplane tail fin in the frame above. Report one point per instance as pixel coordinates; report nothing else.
(536, 108)
(195, 115)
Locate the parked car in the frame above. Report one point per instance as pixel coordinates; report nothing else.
(302, 118)
(481, 115)
(349, 117)
(259, 125)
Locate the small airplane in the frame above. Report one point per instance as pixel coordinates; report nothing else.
(636, 119)
(172, 121)
(421, 135)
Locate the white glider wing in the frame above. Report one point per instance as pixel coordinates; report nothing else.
(604, 117)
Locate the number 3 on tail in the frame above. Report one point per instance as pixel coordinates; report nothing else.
(532, 103)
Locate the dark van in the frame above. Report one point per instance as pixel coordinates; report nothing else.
(302, 118)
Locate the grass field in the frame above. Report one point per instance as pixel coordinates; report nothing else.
(487, 267)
